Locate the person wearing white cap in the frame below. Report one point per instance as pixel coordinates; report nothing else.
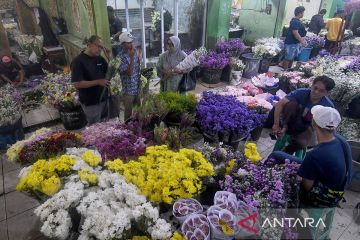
(327, 168)
(11, 72)
(130, 73)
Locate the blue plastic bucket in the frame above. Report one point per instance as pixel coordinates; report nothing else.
(304, 55)
(11, 133)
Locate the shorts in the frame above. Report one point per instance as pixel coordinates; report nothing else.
(330, 44)
(292, 51)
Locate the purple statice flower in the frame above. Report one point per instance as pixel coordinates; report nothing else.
(232, 47)
(324, 53)
(213, 60)
(226, 115)
(315, 41)
(354, 65)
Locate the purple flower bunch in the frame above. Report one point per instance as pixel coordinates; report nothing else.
(264, 184)
(213, 60)
(114, 140)
(315, 41)
(354, 65)
(232, 47)
(226, 115)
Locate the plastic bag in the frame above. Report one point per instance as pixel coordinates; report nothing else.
(33, 57)
(187, 82)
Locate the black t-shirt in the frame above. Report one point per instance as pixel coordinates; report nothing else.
(316, 24)
(87, 68)
(10, 70)
(295, 24)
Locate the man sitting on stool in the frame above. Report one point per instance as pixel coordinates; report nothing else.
(327, 168)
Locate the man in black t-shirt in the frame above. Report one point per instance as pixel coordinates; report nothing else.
(88, 72)
(10, 72)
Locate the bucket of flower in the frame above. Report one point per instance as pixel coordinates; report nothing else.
(11, 128)
(315, 42)
(225, 119)
(212, 65)
(266, 49)
(72, 116)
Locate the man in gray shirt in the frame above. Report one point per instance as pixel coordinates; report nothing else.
(317, 22)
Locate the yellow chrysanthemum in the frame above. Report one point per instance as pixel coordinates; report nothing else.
(229, 167)
(88, 176)
(164, 175)
(51, 185)
(252, 153)
(44, 175)
(90, 158)
(177, 236)
(140, 238)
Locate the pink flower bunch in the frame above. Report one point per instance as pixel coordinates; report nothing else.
(114, 140)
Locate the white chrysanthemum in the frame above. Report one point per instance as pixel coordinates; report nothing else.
(57, 225)
(24, 171)
(161, 230)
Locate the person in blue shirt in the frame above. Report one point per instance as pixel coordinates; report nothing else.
(294, 38)
(327, 168)
(129, 72)
(292, 115)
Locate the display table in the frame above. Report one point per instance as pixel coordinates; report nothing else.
(55, 55)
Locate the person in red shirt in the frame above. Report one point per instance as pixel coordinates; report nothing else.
(11, 72)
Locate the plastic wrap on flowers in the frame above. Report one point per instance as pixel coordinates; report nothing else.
(223, 223)
(185, 207)
(196, 226)
(226, 200)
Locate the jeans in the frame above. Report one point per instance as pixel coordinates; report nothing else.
(280, 157)
(129, 102)
(292, 51)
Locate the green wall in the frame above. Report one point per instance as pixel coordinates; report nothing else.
(259, 24)
(331, 6)
(218, 21)
(83, 19)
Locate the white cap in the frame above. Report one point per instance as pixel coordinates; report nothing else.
(326, 117)
(125, 37)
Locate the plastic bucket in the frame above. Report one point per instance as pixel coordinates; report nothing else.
(304, 55)
(265, 64)
(251, 65)
(11, 133)
(211, 76)
(355, 150)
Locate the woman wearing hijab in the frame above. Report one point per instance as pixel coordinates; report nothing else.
(169, 77)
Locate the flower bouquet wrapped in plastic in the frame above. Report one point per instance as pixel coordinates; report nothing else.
(197, 227)
(184, 207)
(226, 200)
(192, 60)
(223, 223)
(265, 80)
